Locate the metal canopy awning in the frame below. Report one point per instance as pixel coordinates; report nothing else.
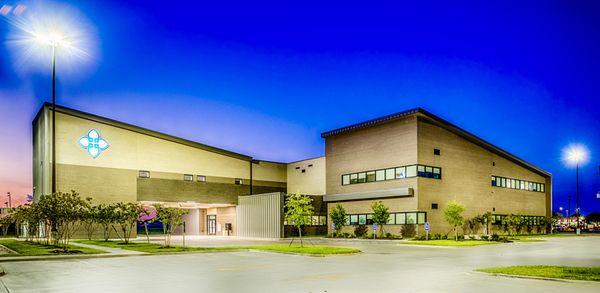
(370, 194)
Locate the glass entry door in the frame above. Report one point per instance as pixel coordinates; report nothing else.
(211, 223)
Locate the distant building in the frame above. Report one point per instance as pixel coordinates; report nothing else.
(413, 161)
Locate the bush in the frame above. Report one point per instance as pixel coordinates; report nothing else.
(436, 236)
(420, 237)
(360, 231)
(389, 235)
(485, 237)
(409, 231)
(495, 237)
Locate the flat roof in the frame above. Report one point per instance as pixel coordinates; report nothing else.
(422, 113)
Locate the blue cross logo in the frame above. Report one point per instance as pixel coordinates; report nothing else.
(93, 143)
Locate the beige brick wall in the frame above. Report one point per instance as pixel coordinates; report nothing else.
(382, 146)
(312, 181)
(466, 177)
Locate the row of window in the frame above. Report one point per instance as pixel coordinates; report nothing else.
(189, 177)
(394, 219)
(392, 174)
(518, 184)
(315, 221)
(532, 220)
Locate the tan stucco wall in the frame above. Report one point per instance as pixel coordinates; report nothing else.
(382, 146)
(466, 175)
(312, 181)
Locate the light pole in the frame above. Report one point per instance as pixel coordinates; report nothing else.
(54, 40)
(9, 201)
(576, 155)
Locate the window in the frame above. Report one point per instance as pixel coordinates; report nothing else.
(144, 174)
(390, 174)
(371, 176)
(188, 177)
(298, 168)
(401, 218)
(362, 177)
(436, 152)
(379, 175)
(420, 170)
(400, 172)
(437, 173)
(310, 165)
(362, 219)
(353, 219)
(411, 218)
(239, 181)
(345, 179)
(303, 170)
(434, 206)
(420, 218)
(498, 181)
(201, 178)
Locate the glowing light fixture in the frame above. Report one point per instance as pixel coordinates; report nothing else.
(575, 155)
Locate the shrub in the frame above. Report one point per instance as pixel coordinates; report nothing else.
(495, 237)
(345, 235)
(408, 230)
(338, 218)
(436, 236)
(360, 231)
(389, 235)
(420, 237)
(485, 237)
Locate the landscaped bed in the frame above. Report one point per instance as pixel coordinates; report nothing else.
(26, 248)
(157, 248)
(449, 242)
(558, 272)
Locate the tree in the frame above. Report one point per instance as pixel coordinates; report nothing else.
(126, 215)
(106, 217)
(486, 220)
(147, 214)
(299, 211)
(511, 223)
(338, 218)
(593, 218)
(170, 218)
(61, 214)
(381, 215)
(453, 215)
(89, 218)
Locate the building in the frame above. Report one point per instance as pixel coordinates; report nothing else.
(413, 161)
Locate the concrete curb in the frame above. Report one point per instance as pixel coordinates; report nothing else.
(537, 278)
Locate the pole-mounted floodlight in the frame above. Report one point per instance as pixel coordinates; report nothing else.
(576, 155)
(51, 28)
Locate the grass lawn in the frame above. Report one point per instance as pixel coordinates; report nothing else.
(25, 248)
(449, 242)
(560, 272)
(157, 248)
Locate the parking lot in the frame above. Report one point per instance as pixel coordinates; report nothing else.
(382, 267)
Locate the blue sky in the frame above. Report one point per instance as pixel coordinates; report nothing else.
(265, 79)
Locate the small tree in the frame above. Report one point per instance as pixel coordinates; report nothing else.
(453, 215)
(381, 215)
(126, 215)
(106, 217)
(170, 219)
(511, 223)
(89, 218)
(338, 218)
(299, 211)
(486, 220)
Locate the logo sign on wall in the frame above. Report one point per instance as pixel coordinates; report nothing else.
(93, 143)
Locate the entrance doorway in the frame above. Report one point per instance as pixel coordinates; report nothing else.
(211, 224)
